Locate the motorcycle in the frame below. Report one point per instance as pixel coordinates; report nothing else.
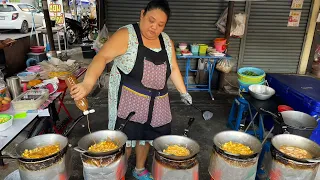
(76, 30)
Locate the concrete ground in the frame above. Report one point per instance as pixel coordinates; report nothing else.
(202, 131)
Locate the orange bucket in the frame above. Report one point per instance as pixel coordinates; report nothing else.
(220, 44)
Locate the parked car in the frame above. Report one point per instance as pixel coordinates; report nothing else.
(19, 16)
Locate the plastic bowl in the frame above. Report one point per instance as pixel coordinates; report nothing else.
(6, 125)
(27, 76)
(182, 47)
(251, 79)
(34, 69)
(37, 49)
(261, 92)
(5, 107)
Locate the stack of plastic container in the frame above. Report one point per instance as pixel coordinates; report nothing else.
(250, 75)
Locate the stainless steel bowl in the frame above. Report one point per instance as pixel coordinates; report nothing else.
(239, 137)
(261, 92)
(163, 142)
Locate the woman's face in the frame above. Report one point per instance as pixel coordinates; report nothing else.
(153, 23)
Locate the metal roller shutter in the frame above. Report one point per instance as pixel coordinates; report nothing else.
(270, 44)
(191, 21)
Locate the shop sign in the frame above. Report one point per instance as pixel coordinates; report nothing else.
(56, 11)
(297, 4)
(294, 18)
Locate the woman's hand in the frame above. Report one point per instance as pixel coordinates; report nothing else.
(8, 42)
(186, 98)
(79, 91)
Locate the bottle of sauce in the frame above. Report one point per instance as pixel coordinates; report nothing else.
(82, 104)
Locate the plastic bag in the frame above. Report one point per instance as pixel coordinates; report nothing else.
(224, 65)
(103, 37)
(237, 26)
(317, 54)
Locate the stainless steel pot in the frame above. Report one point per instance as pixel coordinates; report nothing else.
(239, 137)
(297, 141)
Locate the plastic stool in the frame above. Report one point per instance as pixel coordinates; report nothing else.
(241, 105)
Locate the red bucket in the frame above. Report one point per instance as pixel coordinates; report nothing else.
(37, 49)
(220, 44)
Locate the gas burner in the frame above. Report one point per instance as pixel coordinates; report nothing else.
(176, 164)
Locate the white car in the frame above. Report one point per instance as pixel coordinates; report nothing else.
(19, 16)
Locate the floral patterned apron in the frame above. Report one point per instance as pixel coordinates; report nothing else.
(144, 90)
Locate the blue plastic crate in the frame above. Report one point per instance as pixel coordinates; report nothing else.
(302, 93)
(299, 92)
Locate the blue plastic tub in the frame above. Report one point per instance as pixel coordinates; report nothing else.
(302, 93)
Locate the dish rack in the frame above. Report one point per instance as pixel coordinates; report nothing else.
(30, 100)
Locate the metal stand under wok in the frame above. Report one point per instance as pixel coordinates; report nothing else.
(260, 108)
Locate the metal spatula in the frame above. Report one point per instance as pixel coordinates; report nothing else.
(207, 115)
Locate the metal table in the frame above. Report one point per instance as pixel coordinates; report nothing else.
(55, 30)
(18, 125)
(212, 60)
(269, 105)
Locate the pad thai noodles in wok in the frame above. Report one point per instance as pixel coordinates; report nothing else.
(41, 152)
(177, 150)
(236, 148)
(103, 146)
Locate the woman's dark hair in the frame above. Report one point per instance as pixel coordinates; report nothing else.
(158, 4)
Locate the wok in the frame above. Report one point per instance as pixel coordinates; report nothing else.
(117, 136)
(295, 122)
(239, 137)
(163, 142)
(39, 141)
(297, 141)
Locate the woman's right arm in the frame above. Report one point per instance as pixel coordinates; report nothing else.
(115, 46)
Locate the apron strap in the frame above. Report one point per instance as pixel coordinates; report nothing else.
(163, 47)
(137, 29)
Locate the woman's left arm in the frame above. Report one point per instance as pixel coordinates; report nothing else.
(176, 76)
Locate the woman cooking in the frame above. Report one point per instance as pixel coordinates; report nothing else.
(144, 58)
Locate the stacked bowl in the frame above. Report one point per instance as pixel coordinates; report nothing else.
(250, 75)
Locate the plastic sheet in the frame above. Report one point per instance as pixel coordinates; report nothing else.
(223, 167)
(102, 168)
(292, 171)
(103, 37)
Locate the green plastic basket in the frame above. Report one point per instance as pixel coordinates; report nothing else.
(251, 79)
